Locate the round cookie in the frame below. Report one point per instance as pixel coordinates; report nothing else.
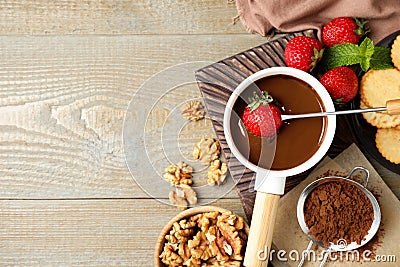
(395, 52)
(388, 144)
(378, 86)
(379, 119)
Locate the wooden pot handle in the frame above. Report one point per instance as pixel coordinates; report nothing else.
(261, 229)
(393, 107)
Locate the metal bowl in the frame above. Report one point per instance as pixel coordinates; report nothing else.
(340, 246)
(377, 212)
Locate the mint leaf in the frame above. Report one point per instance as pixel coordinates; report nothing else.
(365, 54)
(381, 59)
(366, 50)
(342, 55)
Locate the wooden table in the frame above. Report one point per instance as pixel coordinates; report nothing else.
(68, 71)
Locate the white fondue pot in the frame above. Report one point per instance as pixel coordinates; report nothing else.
(270, 184)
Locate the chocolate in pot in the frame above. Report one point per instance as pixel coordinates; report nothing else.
(298, 139)
(338, 210)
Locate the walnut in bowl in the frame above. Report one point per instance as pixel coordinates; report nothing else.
(202, 236)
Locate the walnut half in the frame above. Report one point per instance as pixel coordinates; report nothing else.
(190, 195)
(179, 174)
(193, 111)
(217, 172)
(207, 150)
(181, 196)
(178, 201)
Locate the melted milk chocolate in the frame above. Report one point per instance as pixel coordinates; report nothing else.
(297, 139)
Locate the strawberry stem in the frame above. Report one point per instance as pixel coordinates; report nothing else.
(257, 100)
(361, 30)
(316, 58)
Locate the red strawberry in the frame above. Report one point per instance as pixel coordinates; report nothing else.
(343, 30)
(262, 117)
(303, 53)
(341, 83)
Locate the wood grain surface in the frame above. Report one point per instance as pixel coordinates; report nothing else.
(63, 102)
(84, 232)
(118, 17)
(68, 71)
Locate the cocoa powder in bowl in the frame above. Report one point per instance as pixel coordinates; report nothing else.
(338, 210)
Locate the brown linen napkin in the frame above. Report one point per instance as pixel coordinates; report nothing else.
(261, 16)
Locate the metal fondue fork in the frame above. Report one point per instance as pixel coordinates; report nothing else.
(392, 108)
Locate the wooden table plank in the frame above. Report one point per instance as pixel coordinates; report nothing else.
(63, 101)
(67, 198)
(84, 232)
(118, 17)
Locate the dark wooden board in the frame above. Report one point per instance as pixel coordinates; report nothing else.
(216, 83)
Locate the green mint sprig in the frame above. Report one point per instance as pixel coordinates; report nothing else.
(381, 59)
(366, 54)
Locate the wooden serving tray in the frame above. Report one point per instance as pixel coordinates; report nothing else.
(216, 83)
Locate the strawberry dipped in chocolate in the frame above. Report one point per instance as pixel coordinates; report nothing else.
(262, 117)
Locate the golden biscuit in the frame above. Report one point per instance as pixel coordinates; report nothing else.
(395, 52)
(378, 86)
(388, 144)
(379, 119)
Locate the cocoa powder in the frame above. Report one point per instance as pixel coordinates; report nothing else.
(338, 210)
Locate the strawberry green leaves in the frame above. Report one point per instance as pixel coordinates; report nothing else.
(361, 30)
(365, 54)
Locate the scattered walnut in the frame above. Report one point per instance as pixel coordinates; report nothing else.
(190, 195)
(178, 201)
(217, 172)
(193, 111)
(207, 239)
(181, 196)
(207, 150)
(184, 167)
(179, 174)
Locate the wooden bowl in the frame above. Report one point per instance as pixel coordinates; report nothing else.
(185, 214)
